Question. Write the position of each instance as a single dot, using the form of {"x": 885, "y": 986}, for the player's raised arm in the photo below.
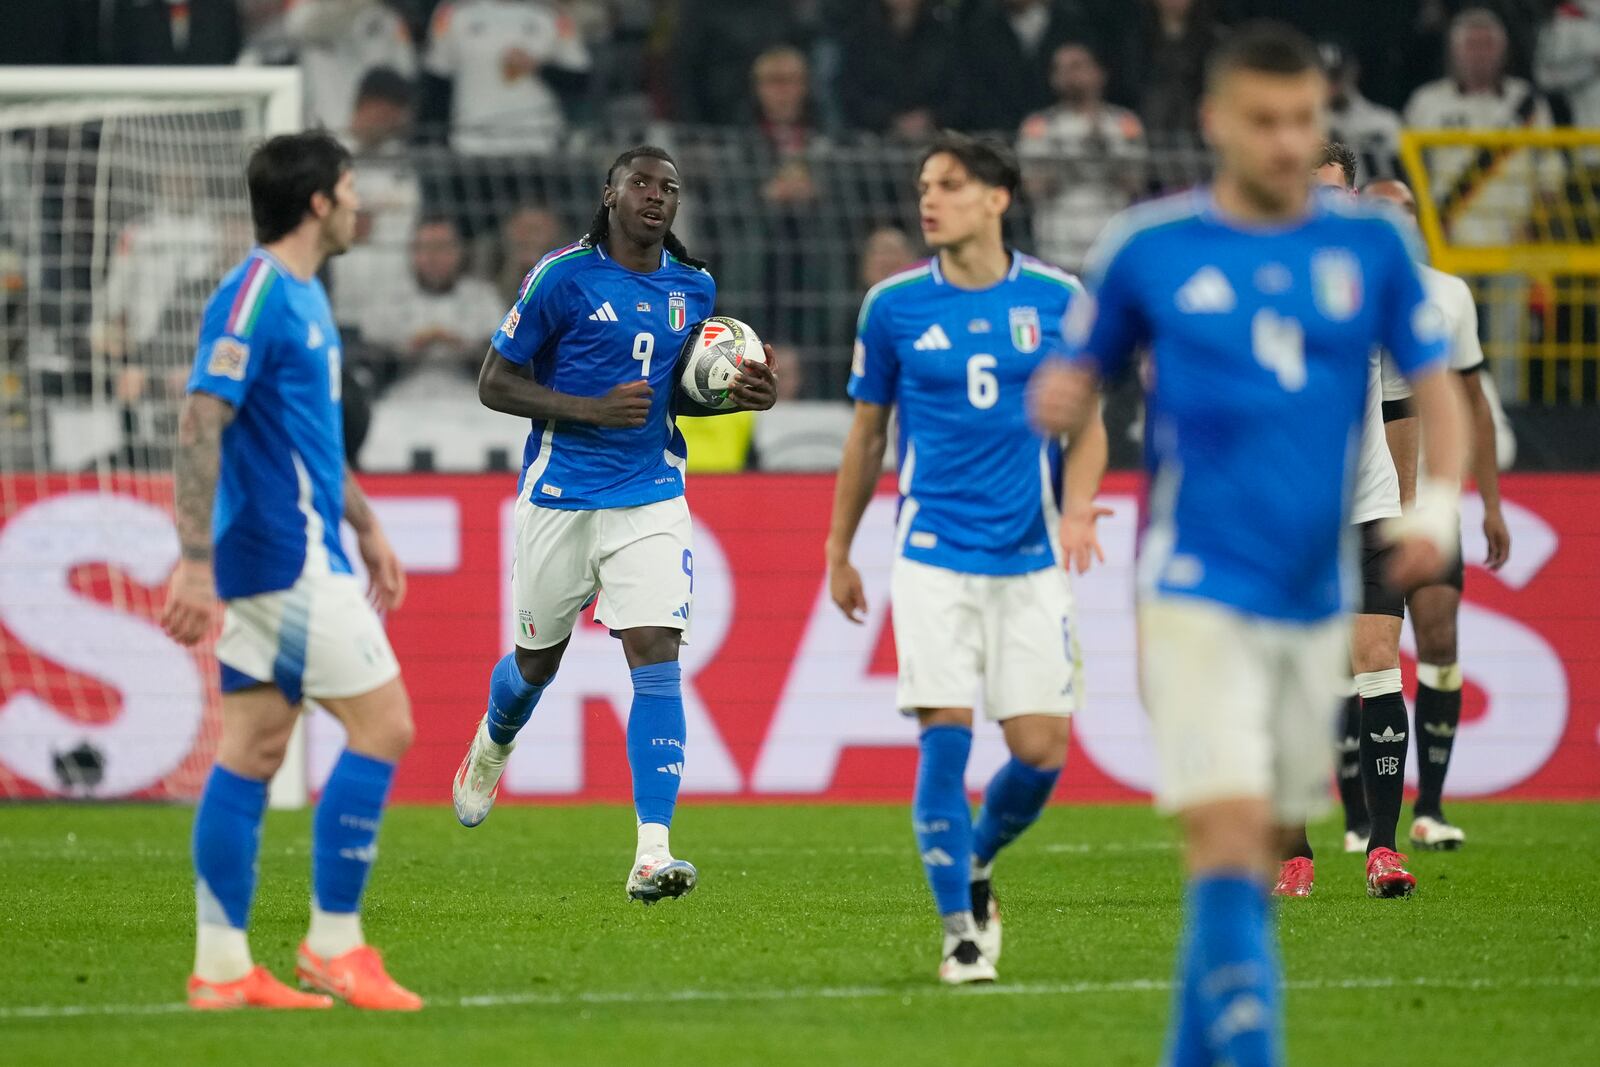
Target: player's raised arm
{"x": 191, "y": 607}
{"x": 859, "y": 468}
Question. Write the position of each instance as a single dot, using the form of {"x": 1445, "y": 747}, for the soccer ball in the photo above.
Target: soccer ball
{"x": 712, "y": 355}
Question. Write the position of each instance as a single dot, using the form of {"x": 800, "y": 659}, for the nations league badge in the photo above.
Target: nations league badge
{"x": 1336, "y": 283}
{"x": 1025, "y": 329}
{"x": 677, "y": 312}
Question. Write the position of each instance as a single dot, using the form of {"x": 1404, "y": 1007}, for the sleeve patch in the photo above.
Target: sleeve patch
{"x": 228, "y": 359}
{"x": 509, "y": 326}
{"x": 858, "y": 360}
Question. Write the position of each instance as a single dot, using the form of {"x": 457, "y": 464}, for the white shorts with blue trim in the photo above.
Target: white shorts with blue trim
{"x": 1006, "y": 638}
{"x": 1242, "y": 707}
{"x": 320, "y": 638}
{"x": 638, "y": 560}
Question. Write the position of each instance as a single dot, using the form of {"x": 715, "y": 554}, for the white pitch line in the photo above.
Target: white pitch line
{"x": 734, "y": 996}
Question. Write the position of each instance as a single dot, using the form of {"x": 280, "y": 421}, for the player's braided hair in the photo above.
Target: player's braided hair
{"x": 600, "y": 228}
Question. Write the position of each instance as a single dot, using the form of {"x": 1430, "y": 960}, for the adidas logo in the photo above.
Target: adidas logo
{"x": 1207, "y": 293}
{"x": 1439, "y": 729}
{"x": 937, "y": 857}
{"x": 1388, "y": 736}
{"x": 682, "y": 613}
{"x": 675, "y": 769}
{"x": 933, "y": 338}
{"x": 603, "y": 313}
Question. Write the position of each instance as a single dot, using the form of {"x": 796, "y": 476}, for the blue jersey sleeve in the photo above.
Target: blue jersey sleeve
{"x": 875, "y": 367}
{"x": 536, "y": 320}
{"x": 1104, "y": 324}
{"x": 1411, "y": 328}
{"x": 235, "y": 336}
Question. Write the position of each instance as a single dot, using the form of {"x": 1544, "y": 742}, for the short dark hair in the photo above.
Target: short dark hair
{"x": 988, "y": 159}
{"x": 1263, "y": 46}
{"x": 386, "y": 84}
{"x": 1340, "y": 153}
{"x": 285, "y": 172}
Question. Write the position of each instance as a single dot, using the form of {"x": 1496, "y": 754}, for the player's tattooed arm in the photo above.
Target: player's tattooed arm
{"x": 200, "y": 426}
{"x": 504, "y": 386}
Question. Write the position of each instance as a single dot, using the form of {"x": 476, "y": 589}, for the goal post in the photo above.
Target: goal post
{"x": 122, "y": 204}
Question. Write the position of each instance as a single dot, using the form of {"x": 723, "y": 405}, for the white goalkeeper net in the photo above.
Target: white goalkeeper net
{"x": 122, "y": 204}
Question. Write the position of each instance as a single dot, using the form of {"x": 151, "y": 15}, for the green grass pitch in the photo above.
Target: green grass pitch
{"x": 811, "y": 940}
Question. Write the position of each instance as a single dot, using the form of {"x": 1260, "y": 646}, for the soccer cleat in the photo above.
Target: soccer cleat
{"x": 1356, "y": 840}
{"x": 986, "y": 914}
{"x": 1295, "y": 878}
{"x": 964, "y": 963}
{"x": 357, "y": 977}
{"x": 656, "y": 878}
{"x": 478, "y": 777}
{"x": 1436, "y": 835}
{"x": 258, "y": 989}
{"x": 1387, "y": 875}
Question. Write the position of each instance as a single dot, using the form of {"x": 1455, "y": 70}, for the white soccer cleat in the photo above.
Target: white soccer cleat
{"x": 1436, "y": 834}
{"x": 986, "y": 915}
{"x": 1356, "y": 841}
{"x": 478, "y": 777}
{"x": 658, "y": 877}
{"x": 965, "y": 963}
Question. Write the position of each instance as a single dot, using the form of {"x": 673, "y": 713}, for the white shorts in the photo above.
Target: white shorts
{"x": 1241, "y": 707}
{"x": 1008, "y": 637}
{"x": 639, "y": 559}
{"x": 318, "y": 638}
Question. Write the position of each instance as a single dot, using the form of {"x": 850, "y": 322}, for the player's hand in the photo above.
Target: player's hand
{"x": 388, "y": 579}
{"x": 844, "y": 585}
{"x": 1416, "y": 562}
{"x": 627, "y": 406}
{"x": 192, "y": 608}
{"x": 1499, "y": 538}
{"x": 755, "y": 387}
{"x": 1080, "y": 536}
{"x": 1057, "y": 397}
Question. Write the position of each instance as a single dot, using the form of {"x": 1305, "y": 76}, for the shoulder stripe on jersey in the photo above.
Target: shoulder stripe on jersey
{"x": 253, "y": 290}
{"x": 893, "y": 281}
{"x": 542, "y": 268}
{"x": 1038, "y": 268}
{"x": 1131, "y": 222}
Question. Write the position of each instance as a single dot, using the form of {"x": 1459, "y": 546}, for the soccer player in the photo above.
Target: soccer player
{"x": 1434, "y": 606}
{"x": 981, "y": 597}
{"x": 1373, "y": 728}
{"x": 262, "y": 488}
{"x": 1260, "y": 302}
{"x": 590, "y": 354}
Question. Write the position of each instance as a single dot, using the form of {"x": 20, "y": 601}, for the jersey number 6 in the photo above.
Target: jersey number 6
{"x": 983, "y": 388}
{"x": 644, "y": 346}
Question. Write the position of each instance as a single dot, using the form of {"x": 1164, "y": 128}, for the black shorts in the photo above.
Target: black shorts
{"x": 1456, "y": 576}
{"x": 1378, "y": 597}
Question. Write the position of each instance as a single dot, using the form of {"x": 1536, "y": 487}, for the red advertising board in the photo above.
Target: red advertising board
{"x": 785, "y": 698}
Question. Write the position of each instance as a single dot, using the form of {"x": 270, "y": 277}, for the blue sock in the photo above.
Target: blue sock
{"x": 1015, "y": 797}
{"x": 511, "y": 700}
{"x": 344, "y": 834}
{"x": 1186, "y": 1036}
{"x": 227, "y": 836}
{"x": 655, "y": 741}
{"x": 942, "y": 818}
{"x": 1231, "y": 975}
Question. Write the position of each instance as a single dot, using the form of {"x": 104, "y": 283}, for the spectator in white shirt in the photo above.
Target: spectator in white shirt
{"x": 1082, "y": 159}
{"x": 391, "y": 194}
{"x": 338, "y": 43}
{"x": 1568, "y": 59}
{"x": 1371, "y": 130}
{"x": 506, "y": 60}
{"x": 437, "y": 323}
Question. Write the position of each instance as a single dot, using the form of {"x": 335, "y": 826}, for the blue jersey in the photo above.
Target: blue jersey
{"x": 269, "y": 347}
{"x": 977, "y": 484}
{"x": 583, "y": 325}
{"x": 1259, "y": 341}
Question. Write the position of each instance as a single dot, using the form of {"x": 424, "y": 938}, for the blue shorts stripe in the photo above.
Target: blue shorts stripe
{"x": 233, "y": 679}
{"x": 289, "y": 669}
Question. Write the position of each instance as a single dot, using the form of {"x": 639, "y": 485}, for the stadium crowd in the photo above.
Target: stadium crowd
{"x": 477, "y": 127}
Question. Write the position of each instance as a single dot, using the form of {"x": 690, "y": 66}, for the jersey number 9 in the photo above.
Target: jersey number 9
{"x": 644, "y": 346}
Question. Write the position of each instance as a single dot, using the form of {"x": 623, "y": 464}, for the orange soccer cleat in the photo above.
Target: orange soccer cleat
{"x": 1295, "y": 878}
{"x": 258, "y": 989}
{"x": 358, "y": 978}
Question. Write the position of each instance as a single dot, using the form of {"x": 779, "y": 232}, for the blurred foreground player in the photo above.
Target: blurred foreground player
{"x": 1434, "y": 606}
{"x": 262, "y": 489}
{"x": 590, "y": 355}
{"x": 981, "y": 595}
{"x": 1260, "y": 302}
{"x": 1372, "y": 745}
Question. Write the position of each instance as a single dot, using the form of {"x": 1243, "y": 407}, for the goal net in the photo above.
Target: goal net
{"x": 122, "y": 203}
